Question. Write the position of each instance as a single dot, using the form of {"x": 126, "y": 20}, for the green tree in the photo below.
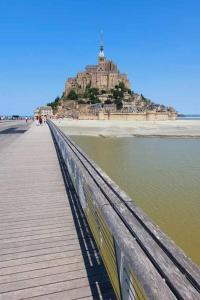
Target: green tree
{"x": 91, "y": 93}
{"x": 118, "y": 103}
{"x": 108, "y": 101}
{"x": 94, "y": 91}
{"x": 147, "y": 101}
{"x": 54, "y": 103}
{"x": 57, "y": 99}
{"x": 95, "y": 100}
{"x": 117, "y": 94}
{"x": 130, "y": 92}
{"x": 72, "y": 95}
{"x": 122, "y": 86}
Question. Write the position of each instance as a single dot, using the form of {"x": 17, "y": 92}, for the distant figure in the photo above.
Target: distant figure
{"x": 40, "y": 120}
{"x": 26, "y": 119}
{"x": 45, "y": 119}
{"x": 37, "y": 121}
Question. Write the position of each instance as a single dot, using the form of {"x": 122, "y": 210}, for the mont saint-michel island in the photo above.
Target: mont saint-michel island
{"x": 102, "y": 92}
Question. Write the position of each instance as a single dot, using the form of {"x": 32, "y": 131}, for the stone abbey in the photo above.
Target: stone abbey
{"x": 101, "y": 92}
{"x": 104, "y": 76}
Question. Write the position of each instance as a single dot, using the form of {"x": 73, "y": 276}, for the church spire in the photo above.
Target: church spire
{"x": 101, "y": 53}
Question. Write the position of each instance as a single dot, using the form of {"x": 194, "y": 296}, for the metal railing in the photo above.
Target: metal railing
{"x": 141, "y": 261}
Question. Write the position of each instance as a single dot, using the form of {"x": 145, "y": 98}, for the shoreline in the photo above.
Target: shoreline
{"x": 160, "y": 129}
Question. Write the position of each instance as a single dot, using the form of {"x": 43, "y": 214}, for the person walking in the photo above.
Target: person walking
{"x": 40, "y": 120}
{"x": 37, "y": 121}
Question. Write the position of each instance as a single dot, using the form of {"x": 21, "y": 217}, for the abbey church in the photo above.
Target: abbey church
{"x": 104, "y": 76}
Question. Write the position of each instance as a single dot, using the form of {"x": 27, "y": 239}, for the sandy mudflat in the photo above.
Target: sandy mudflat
{"x": 178, "y": 128}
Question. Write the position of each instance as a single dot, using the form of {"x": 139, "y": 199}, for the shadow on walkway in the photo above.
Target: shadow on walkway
{"x": 12, "y": 130}
{"x": 97, "y": 276}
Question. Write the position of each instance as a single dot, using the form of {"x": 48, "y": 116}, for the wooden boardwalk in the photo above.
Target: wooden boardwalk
{"x": 46, "y": 251}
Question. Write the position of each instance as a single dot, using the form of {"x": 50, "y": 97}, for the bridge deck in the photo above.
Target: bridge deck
{"x": 46, "y": 251}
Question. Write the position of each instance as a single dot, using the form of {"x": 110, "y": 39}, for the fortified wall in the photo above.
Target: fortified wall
{"x": 144, "y": 116}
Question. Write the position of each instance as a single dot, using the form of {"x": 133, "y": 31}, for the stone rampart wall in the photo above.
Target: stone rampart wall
{"x": 147, "y": 116}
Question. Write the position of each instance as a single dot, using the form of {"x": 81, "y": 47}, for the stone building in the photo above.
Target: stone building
{"x": 44, "y": 111}
{"x": 104, "y": 76}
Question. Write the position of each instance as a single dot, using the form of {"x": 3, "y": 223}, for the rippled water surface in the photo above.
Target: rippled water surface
{"x": 162, "y": 175}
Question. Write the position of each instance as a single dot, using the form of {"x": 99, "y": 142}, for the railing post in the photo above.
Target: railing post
{"x": 126, "y": 287}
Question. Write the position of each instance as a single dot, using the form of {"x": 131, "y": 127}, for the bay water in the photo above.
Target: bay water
{"x": 162, "y": 175}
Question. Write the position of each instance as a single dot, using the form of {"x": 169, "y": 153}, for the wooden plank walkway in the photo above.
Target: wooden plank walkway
{"x": 46, "y": 251}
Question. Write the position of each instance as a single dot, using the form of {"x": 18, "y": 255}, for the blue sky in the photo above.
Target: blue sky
{"x": 43, "y": 42}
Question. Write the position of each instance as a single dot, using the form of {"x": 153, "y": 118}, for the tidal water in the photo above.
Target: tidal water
{"x": 162, "y": 175}
{"x": 189, "y": 117}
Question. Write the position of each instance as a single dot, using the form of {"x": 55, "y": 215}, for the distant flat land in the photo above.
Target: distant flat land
{"x": 178, "y": 128}
{"x": 10, "y": 131}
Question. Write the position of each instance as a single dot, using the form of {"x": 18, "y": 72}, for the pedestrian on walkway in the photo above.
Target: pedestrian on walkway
{"x": 37, "y": 121}
{"x": 40, "y": 120}
{"x": 44, "y": 119}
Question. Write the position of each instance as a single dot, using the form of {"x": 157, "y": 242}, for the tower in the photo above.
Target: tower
{"x": 101, "y": 55}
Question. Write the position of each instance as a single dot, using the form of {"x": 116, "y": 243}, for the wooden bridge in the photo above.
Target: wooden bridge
{"x": 68, "y": 232}
{"x": 46, "y": 249}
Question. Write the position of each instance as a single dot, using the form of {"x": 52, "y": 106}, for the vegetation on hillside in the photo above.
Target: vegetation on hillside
{"x": 91, "y": 96}
{"x": 54, "y": 103}
{"x": 72, "y": 95}
{"x": 147, "y": 101}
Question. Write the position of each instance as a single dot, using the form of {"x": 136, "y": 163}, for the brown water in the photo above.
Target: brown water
{"x": 161, "y": 175}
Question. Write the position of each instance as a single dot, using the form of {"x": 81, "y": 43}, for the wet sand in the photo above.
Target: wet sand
{"x": 178, "y": 128}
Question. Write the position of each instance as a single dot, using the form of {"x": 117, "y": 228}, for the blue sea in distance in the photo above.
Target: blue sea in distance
{"x": 189, "y": 117}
